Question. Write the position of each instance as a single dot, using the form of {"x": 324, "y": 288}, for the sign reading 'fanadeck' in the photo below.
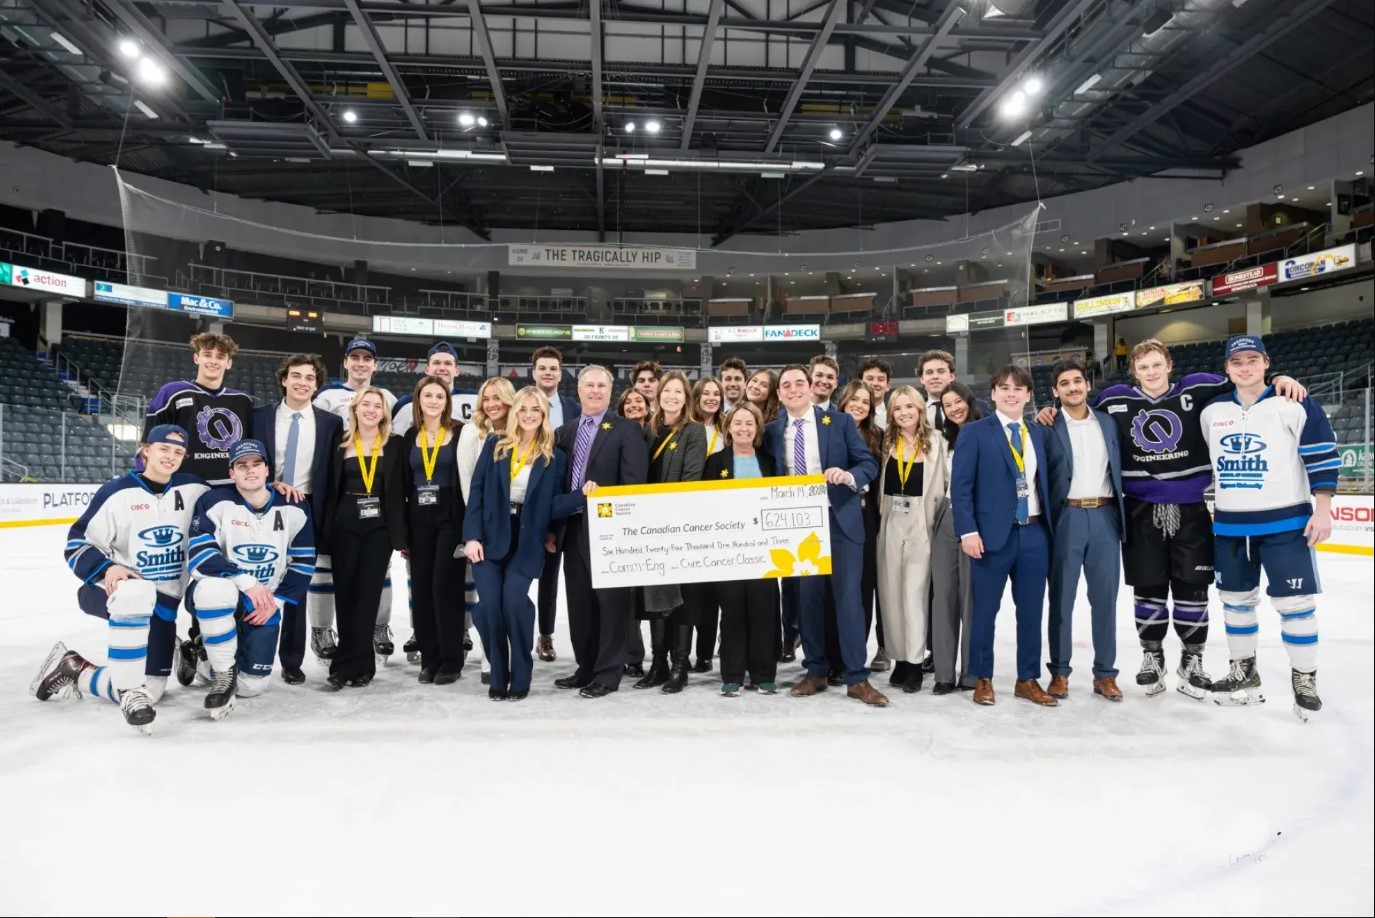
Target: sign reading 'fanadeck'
{"x": 653, "y": 258}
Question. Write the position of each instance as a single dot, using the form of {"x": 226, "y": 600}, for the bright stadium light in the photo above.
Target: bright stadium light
{"x": 466, "y": 119}
{"x": 129, "y": 48}
{"x": 836, "y": 133}
{"x": 652, "y": 126}
{"x": 1014, "y": 105}
{"x": 350, "y": 116}
{"x": 151, "y": 72}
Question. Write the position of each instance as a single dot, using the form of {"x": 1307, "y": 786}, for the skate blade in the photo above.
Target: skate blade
{"x": 413, "y": 657}
{"x": 1303, "y": 713}
{"x": 1238, "y": 699}
{"x": 1191, "y": 691}
{"x": 58, "y": 651}
{"x": 1155, "y": 689}
{"x": 381, "y": 660}
{"x": 144, "y": 729}
{"x": 223, "y": 710}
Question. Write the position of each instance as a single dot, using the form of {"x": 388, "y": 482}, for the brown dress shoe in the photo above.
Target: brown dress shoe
{"x": 808, "y": 687}
{"x": 1107, "y": 688}
{"x": 544, "y": 649}
{"x": 1031, "y": 690}
{"x": 983, "y": 692}
{"x": 867, "y": 694}
{"x": 1059, "y": 687}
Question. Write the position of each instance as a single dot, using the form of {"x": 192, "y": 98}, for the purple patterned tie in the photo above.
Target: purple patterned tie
{"x": 587, "y": 431}
{"x": 799, "y": 447}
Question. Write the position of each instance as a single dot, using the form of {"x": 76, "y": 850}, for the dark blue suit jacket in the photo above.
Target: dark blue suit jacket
{"x": 983, "y": 480}
{"x": 1060, "y": 459}
{"x": 329, "y": 433}
{"x": 489, "y": 508}
{"x": 841, "y": 446}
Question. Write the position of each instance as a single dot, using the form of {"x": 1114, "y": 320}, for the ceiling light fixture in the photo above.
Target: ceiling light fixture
{"x": 1014, "y": 105}
{"x": 482, "y": 121}
{"x": 151, "y": 72}
{"x": 1033, "y": 85}
{"x": 541, "y": 168}
{"x": 147, "y": 112}
{"x": 129, "y": 48}
{"x": 466, "y": 119}
{"x": 836, "y": 133}
{"x": 653, "y": 125}
{"x": 1022, "y": 138}
{"x": 1089, "y": 84}
{"x": 630, "y": 127}
{"x": 65, "y": 42}
{"x": 350, "y": 116}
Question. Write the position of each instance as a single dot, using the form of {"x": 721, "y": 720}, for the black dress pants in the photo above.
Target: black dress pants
{"x": 437, "y": 602}
{"x": 704, "y": 608}
{"x": 598, "y": 620}
{"x": 751, "y": 632}
{"x": 361, "y": 552}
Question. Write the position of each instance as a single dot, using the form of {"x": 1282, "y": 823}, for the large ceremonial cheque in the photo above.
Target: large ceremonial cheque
{"x": 704, "y": 531}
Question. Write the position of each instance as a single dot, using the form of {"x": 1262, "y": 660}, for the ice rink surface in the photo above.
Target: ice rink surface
{"x": 409, "y": 799}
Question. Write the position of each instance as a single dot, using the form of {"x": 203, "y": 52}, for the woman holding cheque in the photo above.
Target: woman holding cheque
{"x": 751, "y": 630}
{"x": 517, "y": 489}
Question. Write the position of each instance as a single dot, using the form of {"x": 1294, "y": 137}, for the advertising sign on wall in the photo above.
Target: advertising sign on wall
{"x": 1107, "y": 304}
{"x": 201, "y": 305}
{"x": 46, "y": 281}
{"x": 638, "y": 258}
{"x": 129, "y": 295}
{"x": 1170, "y": 295}
{"x": 1036, "y": 315}
{"x": 735, "y": 334}
{"x": 1307, "y": 267}
{"x": 1248, "y": 279}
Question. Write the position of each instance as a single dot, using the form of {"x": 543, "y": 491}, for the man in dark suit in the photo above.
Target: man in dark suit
{"x": 603, "y": 449}
{"x": 300, "y": 440}
{"x": 809, "y": 440}
{"x": 546, "y": 372}
{"x": 1086, "y": 516}
{"x": 998, "y": 488}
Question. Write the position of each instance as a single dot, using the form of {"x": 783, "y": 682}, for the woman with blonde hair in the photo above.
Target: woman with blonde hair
{"x": 912, "y": 492}
{"x": 491, "y": 411}
{"x": 517, "y": 488}
{"x": 365, "y": 521}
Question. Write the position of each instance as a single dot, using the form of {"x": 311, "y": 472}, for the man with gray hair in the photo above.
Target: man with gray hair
{"x": 603, "y": 449}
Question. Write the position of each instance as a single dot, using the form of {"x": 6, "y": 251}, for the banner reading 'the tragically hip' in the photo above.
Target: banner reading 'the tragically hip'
{"x": 703, "y": 531}
{"x": 634, "y": 258}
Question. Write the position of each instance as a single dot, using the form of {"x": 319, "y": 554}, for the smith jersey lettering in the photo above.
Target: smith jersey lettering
{"x": 216, "y": 419}
{"x": 128, "y": 524}
{"x": 274, "y": 546}
{"x": 1164, "y": 452}
{"x": 337, "y": 398}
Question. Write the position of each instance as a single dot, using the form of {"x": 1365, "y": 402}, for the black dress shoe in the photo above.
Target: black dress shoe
{"x": 334, "y": 680}
{"x": 361, "y": 681}
{"x": 595, "y": 690}
{"x": 965, "y": 688}
{"x": 928, "y": 664}
{"x": 486, "y": 678}
{"x": 427, "y": 677}
{"x": 292, "y": 675}
{"x": 634, "y": 670}
{"x": 496, "y": 696}
{"x": 899, "y": 673}
{"x": 446, "y": 678}
{"x": 703, "y": 665}
{"x": 789, "y": 655}
{"x": 942, "y": 688}
{"x": 518, "y": 696}
{"x": 912, "y": 684}
{"x": 571, "y": 682}
{"x": 835, "y": 679}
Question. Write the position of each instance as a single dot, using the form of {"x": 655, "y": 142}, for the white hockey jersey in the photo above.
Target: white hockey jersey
{"x": 1267, "y": 461}
{"x": 130, "y": 522}
{"x": 336, "y": 398}
{"x": 274, "y": 546}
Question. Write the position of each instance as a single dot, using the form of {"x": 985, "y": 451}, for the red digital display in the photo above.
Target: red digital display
{"x": 882, "y": 331}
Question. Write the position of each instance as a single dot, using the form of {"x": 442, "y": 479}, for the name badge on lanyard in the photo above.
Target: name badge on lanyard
{"x": 901, "y": 504}
{"x": 426, "y": 495}
{"x": 369, "y": 508}
{"x": 1023, "y": 488}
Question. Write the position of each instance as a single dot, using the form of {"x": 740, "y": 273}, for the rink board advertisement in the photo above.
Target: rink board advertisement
{"x": 43, "y": 504}
{"x": 704, "y": 531}
{"x": 1353, "y": 525}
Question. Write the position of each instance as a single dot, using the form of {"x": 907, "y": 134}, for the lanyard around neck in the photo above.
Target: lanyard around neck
{"x": 367, "y": 470}
{"x": 517, "y": 463}
{"x": 430, "y": 459}
{"x": 904, "y": 471}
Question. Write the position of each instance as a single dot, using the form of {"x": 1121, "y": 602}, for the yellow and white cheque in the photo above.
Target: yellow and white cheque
{"x": 703, "y": 531}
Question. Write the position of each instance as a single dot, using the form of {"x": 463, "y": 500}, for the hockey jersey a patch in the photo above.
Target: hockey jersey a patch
{"x": 274, "y": 546}
{"x": 131, "y": 524}
{"x": 216, "y": 419}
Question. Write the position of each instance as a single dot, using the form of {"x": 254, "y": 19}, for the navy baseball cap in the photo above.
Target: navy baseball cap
{"x": 247, "y": 449}
{"x": 442, "y": 347}
{"x": 167, "y": 433}
{"x": 1243, "y": 343}
{"x": 360, "y": 344}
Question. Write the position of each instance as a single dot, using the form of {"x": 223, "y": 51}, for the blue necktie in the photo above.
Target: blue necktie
{"x": 293, "y": 439}
{"x": 1023, "y": 505}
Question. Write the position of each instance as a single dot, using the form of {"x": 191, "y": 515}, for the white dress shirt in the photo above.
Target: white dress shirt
{"x": 881, "y": 416}
{"x": 1091, "y": 476}
{"x": 1028, "y": 458}
{"x": 720, "y": 439}
{"x": 933, "y": 412}
{"x": 305, "y": 446}
{"x": 521, "y": 483}
{"x": 809, "y": 437}
{"x": 556, "y": 417}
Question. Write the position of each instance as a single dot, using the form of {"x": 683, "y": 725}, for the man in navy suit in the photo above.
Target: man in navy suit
{"x": 546, "y": 372}
{"x": 299, "y": 439}
{"x": 1086, "y": 516}
{"x": 810, "y": 440}
{"x": 603, "y": 448}
{"x": 998, "y": 488}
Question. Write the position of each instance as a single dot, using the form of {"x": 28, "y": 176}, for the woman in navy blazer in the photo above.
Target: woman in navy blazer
{"x": 518, "y": 488}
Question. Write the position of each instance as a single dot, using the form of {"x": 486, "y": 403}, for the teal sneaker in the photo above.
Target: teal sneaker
{"x": 730, "y": 689}
{"x": 768, "y": 688}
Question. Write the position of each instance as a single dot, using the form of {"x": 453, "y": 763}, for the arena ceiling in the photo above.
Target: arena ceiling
{"x": 701, "y": 116}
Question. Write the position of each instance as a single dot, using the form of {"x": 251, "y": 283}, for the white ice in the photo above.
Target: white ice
{"x": 409, "y": 799}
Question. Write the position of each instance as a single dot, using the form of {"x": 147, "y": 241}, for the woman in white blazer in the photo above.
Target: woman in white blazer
{"x": 912, "y": 489}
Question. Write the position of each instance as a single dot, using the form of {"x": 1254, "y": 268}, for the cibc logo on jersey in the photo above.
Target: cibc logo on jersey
{"x": 164, "y": 554}
{"x": 257, "y": 559}
{"x": 1243, "y": 464}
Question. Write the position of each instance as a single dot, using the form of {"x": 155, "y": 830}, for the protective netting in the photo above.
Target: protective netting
{"x": 169, "y": 247}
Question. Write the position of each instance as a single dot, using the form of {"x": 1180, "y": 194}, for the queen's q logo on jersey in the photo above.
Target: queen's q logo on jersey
{"x": 219, "y": 428}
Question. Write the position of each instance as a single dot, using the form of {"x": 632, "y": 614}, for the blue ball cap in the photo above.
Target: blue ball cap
{"x": 168, "y": 433}
{"x": 1241, "y": 343}
{"x": 442, "y": 347}
{"x": 360, "y": 344}
{"x": 247, "y": 449}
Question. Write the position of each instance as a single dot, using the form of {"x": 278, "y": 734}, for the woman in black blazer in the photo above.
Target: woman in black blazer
{"x": 434, "y": 526}
{"x": 751, "y": 629}
{"x": 365, "y": 522}
{"x": 677, "y": 451}
{"x": 518, "y": 488}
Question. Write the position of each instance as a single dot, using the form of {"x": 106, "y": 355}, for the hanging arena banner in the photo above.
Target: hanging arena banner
{"x": 601, "y": 256}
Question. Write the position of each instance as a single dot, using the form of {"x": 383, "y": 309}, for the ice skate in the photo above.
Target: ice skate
{"x": 382, "y": 644}
{"x": 323, "y": 644}
{"x": 60, "y": 675}
{"x": 1151, "y": 676}
{"x": 192, "y": 663}
{"x": 1193, "y": 681}
{"x": 219, "y": 701}
{"x": 1306, "y": 700}
{"x": 137, "y": 708}
{"x": 411, "y": 649}
{"x": 1240, "y": 686}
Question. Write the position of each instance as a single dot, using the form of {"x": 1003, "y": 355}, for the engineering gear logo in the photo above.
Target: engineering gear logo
{"x": 1157, "y": 430}
{"x": 219, "y": 428}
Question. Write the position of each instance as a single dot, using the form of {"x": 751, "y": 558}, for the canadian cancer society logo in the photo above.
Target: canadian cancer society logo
{"x": 1242, "y": 465}
{"x": 604, "y": 511}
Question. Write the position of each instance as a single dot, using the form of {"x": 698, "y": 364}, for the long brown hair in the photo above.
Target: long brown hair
{"x": 890, "y": 436}
{"x": 695, "y": 399}
{"x": 655, "y": 419}
{"x": 770, "y": 407}
{"x": 871, "y": 432}
{"x": 446, "y": 419}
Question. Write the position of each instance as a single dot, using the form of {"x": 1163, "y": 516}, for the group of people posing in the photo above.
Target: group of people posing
{"x": 290, "y": 513}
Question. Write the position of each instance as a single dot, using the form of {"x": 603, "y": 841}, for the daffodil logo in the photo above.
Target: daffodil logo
{"x": 606, "y": 425}
{"x": 603, "y": 511}
{"x": 809, "y": 562}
